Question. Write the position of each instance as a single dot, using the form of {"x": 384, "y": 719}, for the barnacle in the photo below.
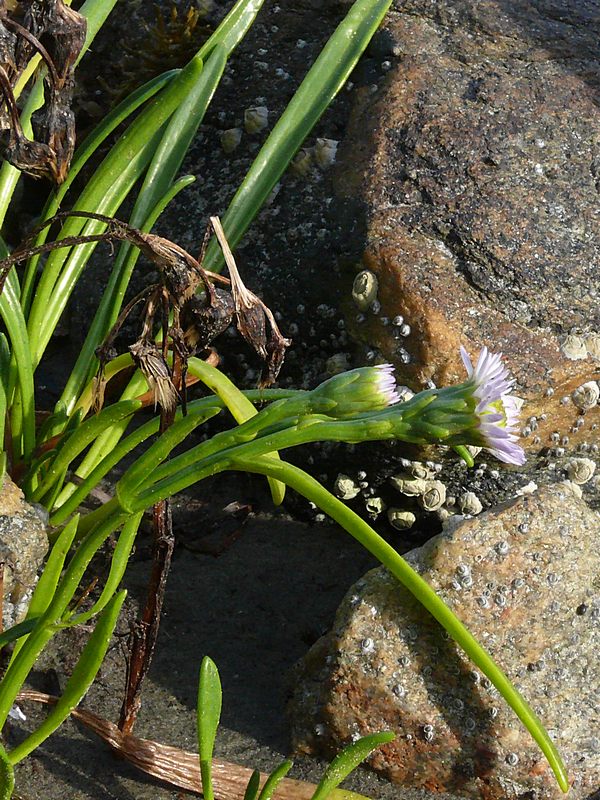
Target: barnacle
{"x": 230, "y": 139}
{"x": 401, "y": 520}
{"x": 364, "y": 289}
{"x": 256, "y": 118}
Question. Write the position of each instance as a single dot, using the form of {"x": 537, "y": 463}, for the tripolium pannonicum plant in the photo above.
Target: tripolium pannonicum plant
{"x": 60, "y": 462}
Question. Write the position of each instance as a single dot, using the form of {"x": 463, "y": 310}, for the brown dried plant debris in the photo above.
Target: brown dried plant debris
{"x": 57, "y": 33}
{"x": 193, "y": 311}
{"x": 168, "y": 42}
{"x": 175, "y": 767}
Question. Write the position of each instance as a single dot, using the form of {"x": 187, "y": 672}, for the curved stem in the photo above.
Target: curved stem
{"x": 310, "y": 488}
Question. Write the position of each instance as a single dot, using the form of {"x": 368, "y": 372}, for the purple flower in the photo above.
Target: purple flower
{"x": 497, "y": 409}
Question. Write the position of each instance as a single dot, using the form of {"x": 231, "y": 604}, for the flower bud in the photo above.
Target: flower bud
{"x": 355, "y": 392}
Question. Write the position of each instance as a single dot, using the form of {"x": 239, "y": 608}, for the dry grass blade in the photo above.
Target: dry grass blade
{"x": 176, "y": 767}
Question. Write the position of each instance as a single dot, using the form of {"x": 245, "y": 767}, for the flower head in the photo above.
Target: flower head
{"x": 358, "y": 391}
{"x": 497, "y": 409}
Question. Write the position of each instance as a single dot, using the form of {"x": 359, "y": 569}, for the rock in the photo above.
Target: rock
{"x": 479, "y": 181}
{"x": 23, "y": 545}
{"x": 524, "y": 579}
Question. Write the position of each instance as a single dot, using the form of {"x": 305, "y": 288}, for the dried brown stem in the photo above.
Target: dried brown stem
{"x": 177, "y": 767}
{"x": 145, "y": 633}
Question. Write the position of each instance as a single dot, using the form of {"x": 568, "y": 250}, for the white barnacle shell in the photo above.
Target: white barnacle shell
{"x": 574, "y": 347}
{"x": 230, "y": 139}
{"x": 406, "y": 484}
{"x": 404, "y": 393}
{"x": 573, "y": 488}
{"x": 375, "y": 506}
{"x": 256, "y": 118}
{"x": 470, "y": 504}
{"x": 473, "y": 450}
{"x": 302, "y": 163}
{"x": 586, "y": 396}
{"x": 443, "y": 513}
{"x": 581, "y": 470}
{"x": 592, "y": 343}
{"x": 401, "y": 520}
{"x": 325, "y": 152}
{"x": 339, "y": 362}
{"x": 364, "y": 289}
{"x": 434, "y": 496}
{"x": 420, "y": 470}
{"x": 529, "y": 488}
{"x": 345, "y": 487}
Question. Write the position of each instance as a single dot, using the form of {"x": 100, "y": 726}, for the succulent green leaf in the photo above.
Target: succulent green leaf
{"x": 7, "y": 776}
{"x": 253, "y": 786}
{"x": 274, "y": 779}
{"x": 208, "y": 715}
{"x": 80, "y": 681}
{"x": 321, "y": 84}
{"x": 346, "y": 761}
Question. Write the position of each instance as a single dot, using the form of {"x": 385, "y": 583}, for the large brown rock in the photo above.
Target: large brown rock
{"x": 524, "y": 580}
{"x": 478, "y": 163}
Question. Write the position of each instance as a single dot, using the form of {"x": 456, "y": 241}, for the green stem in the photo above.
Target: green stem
{"x": 48, "y": 623}
{"x": 310, "y": 488}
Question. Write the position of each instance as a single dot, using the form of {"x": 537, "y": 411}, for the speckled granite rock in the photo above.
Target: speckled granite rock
{"x": 477, "y": 164}
{"x": 524, "y": 578}
{"x": 23, "y": 545}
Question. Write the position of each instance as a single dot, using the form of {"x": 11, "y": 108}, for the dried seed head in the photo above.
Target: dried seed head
{"x": 182, "y": 273}
{"x": 277, "y": 346}
{"x": 205, "y": 318}
{"x": 149, "y": 360}
{"x": 252, "y": 316}
{"x": 586, "y": 396}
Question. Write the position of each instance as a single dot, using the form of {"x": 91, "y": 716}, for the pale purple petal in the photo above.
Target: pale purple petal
{"x": 387, "y": 383}
{"x": 466, "y": 361}
{"x": 498, "y": 411}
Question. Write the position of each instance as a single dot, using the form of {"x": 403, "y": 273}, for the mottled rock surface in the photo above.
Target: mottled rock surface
{"x": 23, "y": 545}
{"x": 476, "y": 162}
{"x": 524, "y": 579}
